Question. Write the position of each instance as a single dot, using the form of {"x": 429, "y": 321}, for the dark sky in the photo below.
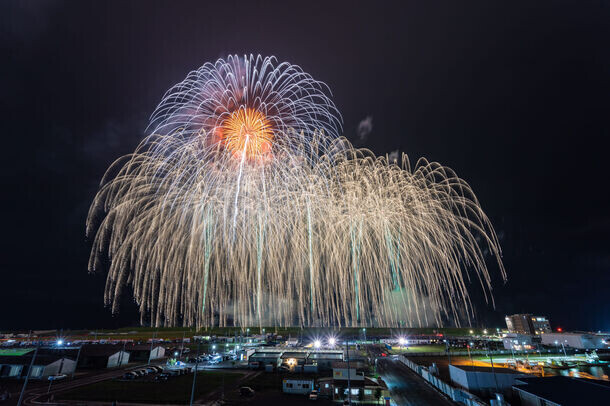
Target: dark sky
{"x": 513, "y": 96}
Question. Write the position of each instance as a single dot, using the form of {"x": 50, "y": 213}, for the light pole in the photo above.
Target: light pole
{"x": 195, "y": 374}
{"x": 152, "y": 340}
{"x": 349, "y": 381}
{"x": 182, "y": 347}
{"x": 27, "y": 377}
{"x": 76, "y": 364}
{"x": 492, "y": 366}
{"x": 470, "y": 355}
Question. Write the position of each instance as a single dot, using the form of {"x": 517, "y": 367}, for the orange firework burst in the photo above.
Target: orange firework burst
{"x": 247, "y": 131}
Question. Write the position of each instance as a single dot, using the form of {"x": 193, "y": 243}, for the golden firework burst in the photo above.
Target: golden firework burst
{"x": 247, "y": 131}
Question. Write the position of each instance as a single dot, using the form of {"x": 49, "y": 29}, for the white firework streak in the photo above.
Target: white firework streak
{"x": 303, "y": 229}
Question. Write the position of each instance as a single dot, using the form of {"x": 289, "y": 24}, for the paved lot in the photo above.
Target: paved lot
{"x": 406, "y": 387}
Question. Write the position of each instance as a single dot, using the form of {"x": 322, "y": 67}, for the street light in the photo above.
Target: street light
{"x": 60, "y": 342}
{"x": 401, "y": 341}
{"x": 332, "y": 341}
{"x": 317, "y": 344}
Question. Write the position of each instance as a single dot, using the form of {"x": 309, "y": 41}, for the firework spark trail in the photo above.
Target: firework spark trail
{"x": 241, "y": 168}
{"x": 245, "y": 207}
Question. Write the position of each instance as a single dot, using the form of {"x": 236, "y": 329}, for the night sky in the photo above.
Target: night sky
{"x": 514, "y": 97}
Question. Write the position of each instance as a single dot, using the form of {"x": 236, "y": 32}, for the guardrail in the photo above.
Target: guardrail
{"x": 455, "y": 394}
{"x": 461, "y": 352}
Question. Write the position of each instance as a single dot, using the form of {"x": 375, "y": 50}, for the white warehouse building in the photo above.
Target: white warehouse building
{"x": 583, "y": 341}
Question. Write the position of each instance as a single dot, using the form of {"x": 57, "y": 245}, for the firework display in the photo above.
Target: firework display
{"x": 244, "y": 206}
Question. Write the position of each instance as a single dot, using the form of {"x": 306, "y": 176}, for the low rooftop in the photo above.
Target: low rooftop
{"x": 497, "y": 370}
{"x": 565, "y": 391}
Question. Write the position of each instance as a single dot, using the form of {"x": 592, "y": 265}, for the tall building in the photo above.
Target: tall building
{"x": 541, "y": 324}
{"x": 527, "y": 324}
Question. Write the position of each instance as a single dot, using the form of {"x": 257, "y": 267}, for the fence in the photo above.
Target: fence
{"x": 462, "y": 353}
{"x": 457, "y": 395}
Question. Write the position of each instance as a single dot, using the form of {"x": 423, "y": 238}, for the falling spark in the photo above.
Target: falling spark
{"x": 244, "y": 206}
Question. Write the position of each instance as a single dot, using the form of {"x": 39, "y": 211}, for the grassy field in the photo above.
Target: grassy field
{"x": 175, "y": 390}
{"x": 415, "y": 349}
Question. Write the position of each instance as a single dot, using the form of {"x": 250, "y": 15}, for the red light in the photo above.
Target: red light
{"x": 383, "y": 354}
{"x": 559, "y": 329}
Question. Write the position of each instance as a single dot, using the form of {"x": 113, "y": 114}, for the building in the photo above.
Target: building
{"x": 259, "y": 359}
{"x": 294, "y": 360}
{"x": 362, "y": 388}
{"x": 45, "y": 364}
{"x": 517, "y": 342}
{"x": 541, "y": 325}
{"x": 245, "y": 353}
{"x": 584, "y": 341}
{"x": 292, "y": 342}
{"x": 324, "y": 359}
{"x": 297, "y": 386}
{"x": 99, "y": 356}
{"x": 144, "y": 352}
{"x": 484, "y": 380}
{"x": 527, "y": 324}
{"x": 341, "y": 371}
{"x": 560, "y": 391}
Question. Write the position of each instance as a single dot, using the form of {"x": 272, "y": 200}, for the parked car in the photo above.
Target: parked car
{"x": 151, "y": 370}
{"x": 162, "y": 377}
{"x": 246, "y": 391}
{"x": 130, "y": 375}
{"x": 57, "y": 377}
{"x": 313, "y": 395}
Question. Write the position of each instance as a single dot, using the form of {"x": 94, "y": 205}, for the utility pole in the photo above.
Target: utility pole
{"x": 182, "y": 348}
{"x": 195, "y": 374}
{"x": 151, "y": 347}
{"x": 492, "y": 367}
{"x": 76, "y": 363}
{"x": 27, "y": 377}
{"x": 349, "y": 381}
{"x": 470, "y": 356}
{"x": 121, "y": 356}
{"x": 448, "y": 351}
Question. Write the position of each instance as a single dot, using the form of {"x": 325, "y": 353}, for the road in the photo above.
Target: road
{"x": 406, "y": 387}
